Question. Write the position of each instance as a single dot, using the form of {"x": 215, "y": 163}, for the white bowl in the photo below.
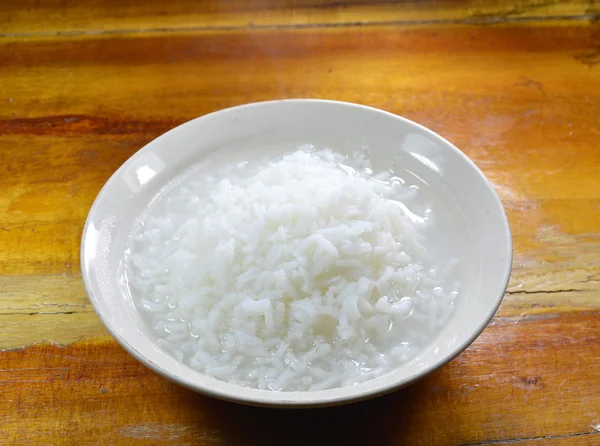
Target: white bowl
{"x": 486, "y": 256}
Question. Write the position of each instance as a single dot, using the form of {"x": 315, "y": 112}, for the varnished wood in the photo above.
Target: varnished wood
{"x": 83, "y": 85}
{"x": 34, "y": 17}
{"x": 533, "y": 378}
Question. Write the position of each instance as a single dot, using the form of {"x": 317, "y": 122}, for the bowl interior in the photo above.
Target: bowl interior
{"x": 478, "y": 235}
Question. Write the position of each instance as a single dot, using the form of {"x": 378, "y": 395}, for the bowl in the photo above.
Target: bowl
{"x": 485, "y": 255}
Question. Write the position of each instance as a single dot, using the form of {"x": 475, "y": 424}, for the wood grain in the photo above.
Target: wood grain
{"x": 536, "y": 378}
{"x": 35, "y": 17}
{"x": 83, "y": 85}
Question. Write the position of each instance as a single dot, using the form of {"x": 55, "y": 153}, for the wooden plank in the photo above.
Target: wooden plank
{"x": 48, "y": 187}
{"x": 27, "y": 17}
{"x": 37, "y": 308}
{"x": 583, "y": 439}
{"x": 84, "y": 85}
{"x": 59, "y": 328}
{"x": 418, "y": 72}
{"x": 517, "y": 381}
{"x": 61, "y": 299}
{"x": 531, "y": 114}
{"x": 543, "y": 100}
{"x": 47, "y": 190}
{"x": 28, "y": 295}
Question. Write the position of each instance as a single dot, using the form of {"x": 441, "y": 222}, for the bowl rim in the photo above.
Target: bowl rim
{"x": 286, "y": 399}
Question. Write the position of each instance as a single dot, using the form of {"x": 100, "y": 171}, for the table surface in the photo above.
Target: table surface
{"x": 515, "y": 84}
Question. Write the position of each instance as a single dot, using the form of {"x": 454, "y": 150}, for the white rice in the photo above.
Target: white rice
{"x": 299, "y": 273}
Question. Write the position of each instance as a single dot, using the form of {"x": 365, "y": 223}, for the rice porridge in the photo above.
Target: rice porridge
{"x": 306, "y": 271}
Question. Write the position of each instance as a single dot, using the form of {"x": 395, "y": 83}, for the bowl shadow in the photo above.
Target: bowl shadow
{"x": 390, "y": 419}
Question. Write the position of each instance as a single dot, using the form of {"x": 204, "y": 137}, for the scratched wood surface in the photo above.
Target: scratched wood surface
{"x": 515, "y": 84}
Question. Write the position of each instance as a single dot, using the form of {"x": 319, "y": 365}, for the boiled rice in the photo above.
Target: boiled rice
{"x": 299, "y": 273}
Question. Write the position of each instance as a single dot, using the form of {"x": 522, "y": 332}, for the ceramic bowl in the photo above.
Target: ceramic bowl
{"x": 485, "y": 254}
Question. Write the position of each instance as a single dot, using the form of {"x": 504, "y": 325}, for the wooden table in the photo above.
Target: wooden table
{"x": 515, "y": 84}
